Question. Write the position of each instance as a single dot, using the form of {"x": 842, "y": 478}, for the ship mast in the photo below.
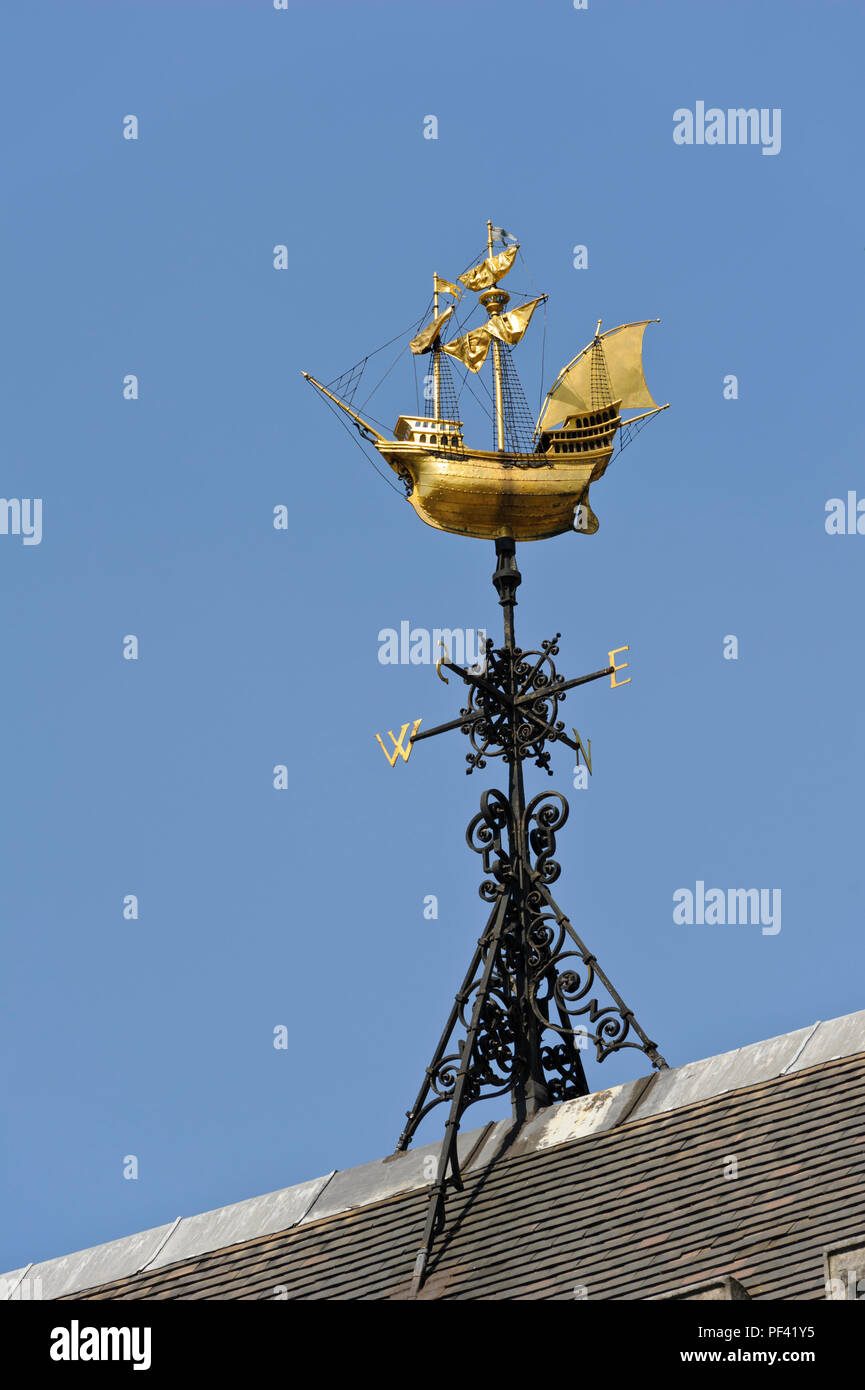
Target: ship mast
{"x": 436, "y": 350}
{"x": 494, "y": 301}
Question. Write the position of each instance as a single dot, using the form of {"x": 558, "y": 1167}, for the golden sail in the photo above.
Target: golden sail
{"x": 426, "y": 338}
{"x": 609, "y": 369}
{"x": 532, "y": 483}
{"x": 490, "y": 271}
{"x": 509, "y": 328}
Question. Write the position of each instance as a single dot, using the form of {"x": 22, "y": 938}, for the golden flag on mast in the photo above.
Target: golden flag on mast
{"x": 472, "y": 348}
{"x": 441, "y": 286}
{"x": 490, "y": 271}
{"x": 510, "y": 327}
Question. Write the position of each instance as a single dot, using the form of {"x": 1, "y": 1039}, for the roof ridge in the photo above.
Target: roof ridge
{"x": 622, "y": 1110}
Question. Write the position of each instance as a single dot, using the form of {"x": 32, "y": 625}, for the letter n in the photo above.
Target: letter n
{"x": 581, "y": 748}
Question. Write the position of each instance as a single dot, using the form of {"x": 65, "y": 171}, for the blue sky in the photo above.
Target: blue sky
{"x": 259, "y": 647}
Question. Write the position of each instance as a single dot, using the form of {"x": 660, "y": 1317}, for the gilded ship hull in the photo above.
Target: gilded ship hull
{"x": 528, "y": 497}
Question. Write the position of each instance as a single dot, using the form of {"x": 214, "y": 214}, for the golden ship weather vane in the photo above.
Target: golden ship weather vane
{"x": 534, "y": 997}
{"x": 530, "y": 486}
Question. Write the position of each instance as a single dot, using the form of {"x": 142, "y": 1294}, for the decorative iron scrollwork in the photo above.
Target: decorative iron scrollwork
{"x": 406, "y": 479}
{"x": 544, "y": 815}
{"x": 563, "y": 972}
{"x": 526, "y": 937}
{"x": 518, "y": 703}
{"x": 484, "y": 836}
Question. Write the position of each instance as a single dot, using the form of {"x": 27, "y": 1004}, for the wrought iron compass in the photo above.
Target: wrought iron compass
{"x": 529, "y": 1003}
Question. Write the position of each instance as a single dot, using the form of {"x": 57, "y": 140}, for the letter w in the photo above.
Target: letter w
{"x": 398, "y": 749}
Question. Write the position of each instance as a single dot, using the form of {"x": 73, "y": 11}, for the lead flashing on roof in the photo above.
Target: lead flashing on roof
{"x": 338, "y": 1192}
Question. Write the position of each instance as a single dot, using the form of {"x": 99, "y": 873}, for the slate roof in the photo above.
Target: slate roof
{"x": 624, "y": 1194}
